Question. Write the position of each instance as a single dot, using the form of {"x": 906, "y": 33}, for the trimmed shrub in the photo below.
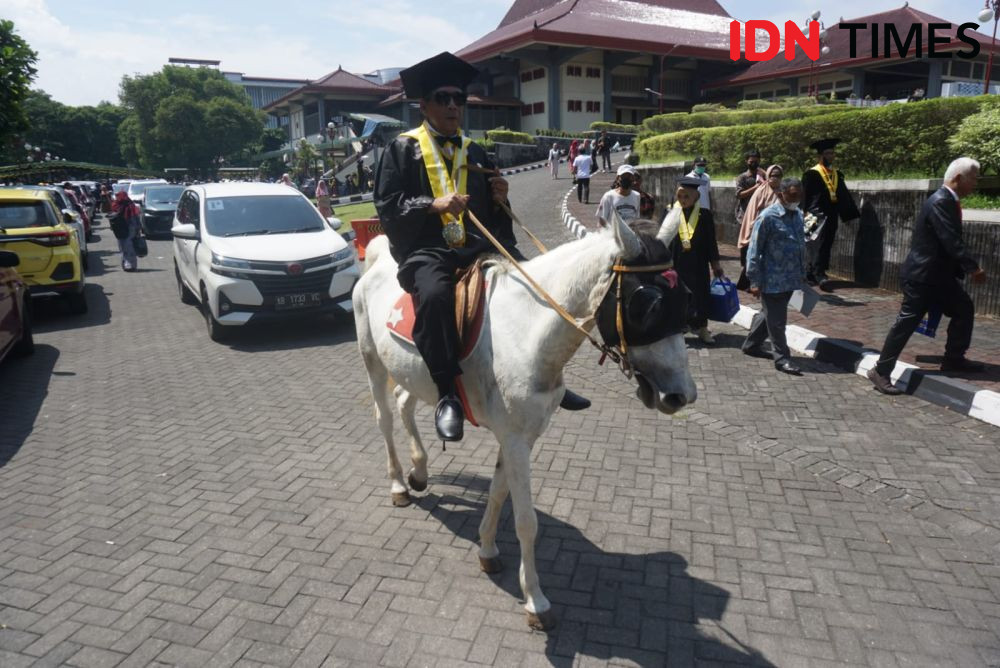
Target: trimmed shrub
{"x": 562, "y": 134}
{"x": 707, "y": 106}
{"x": 509, "y": 137}
{"x": 655, "y": 125}
{"x": 616, "y": 128}
{"x": 897, "y": 138}
{"x": 979, "y": 137}
{"x": 751, "y": 105}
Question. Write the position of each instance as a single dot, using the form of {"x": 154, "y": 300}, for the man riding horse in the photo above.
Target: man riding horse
{"x": 423, "y": 191}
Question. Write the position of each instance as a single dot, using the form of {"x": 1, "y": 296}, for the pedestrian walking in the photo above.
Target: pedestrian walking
{"x": 760, "y": 200}
{"x": 700, "y": 172}
{"x": 323, "y": 198}
{"x": 826, "y": 196}
{"x": 126, "y": 227}
{"x": 604, "y": 151}
{"x": 931, "y": 275}
{"x": 287, "y": 180}
{"x": 695, "y": 251}
{"x": 574, "y": 150}
{"x": 582, "y": 167}
{"x": 554, "y": 160}
{"x": 748, "y": 182}
{"x": 621, "y": 199}
{"x": 776, "y": 268}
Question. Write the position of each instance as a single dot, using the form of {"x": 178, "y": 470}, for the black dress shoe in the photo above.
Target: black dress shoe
{"x": 811, "y": 279}
{"x": 789, "y": 367}
{"x": 826, "y": 285}
{"x": 757, "y": 352}
{"x": 449, "y": 419}
{"x": 572, "y": 401}
{"x": 883, "y": 383}
{"x": 962, "y": 364}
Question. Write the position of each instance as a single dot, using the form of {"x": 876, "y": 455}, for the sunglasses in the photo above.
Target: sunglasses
{"x": 443, "y": 98}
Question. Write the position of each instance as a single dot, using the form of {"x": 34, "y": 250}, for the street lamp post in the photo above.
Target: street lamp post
{"x": 991, "y": 10}
{"x": 824, "y": 49}
{"x": 657, "y": 94}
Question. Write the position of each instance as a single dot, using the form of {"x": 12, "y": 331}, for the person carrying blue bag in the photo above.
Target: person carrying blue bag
{"x": 695, "y": 250}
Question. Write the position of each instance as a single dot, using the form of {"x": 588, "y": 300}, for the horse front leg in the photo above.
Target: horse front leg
{"x": 517, "y": 465}
{"x": 489, "y": 553}
{"x": 407, "y": 405}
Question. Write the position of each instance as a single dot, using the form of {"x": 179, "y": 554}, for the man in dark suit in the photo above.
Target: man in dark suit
{"x": 825, "y": 194}
{"x": 931, "y": 276}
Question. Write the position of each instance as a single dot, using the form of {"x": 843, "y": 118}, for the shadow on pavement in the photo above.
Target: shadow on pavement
{"x": 643, "y": 608}
{"x": 52, "y": 313}
{"x": 303, "y": 332}
{"x": 24, "y": 384}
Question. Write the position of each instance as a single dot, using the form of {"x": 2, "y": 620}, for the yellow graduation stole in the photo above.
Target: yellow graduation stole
{"x": 829, "y": 177}
{"x": 687, "y": 227}
{"x": 442, "y": 182}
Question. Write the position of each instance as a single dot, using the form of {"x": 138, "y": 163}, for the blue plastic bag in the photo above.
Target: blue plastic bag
{"x": 724, "y": 302}
{"x": 928, "y": 326}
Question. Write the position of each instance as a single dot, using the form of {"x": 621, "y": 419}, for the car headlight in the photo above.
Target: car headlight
{"x": 223, "y": 262}
{"x": 342, "y": 255}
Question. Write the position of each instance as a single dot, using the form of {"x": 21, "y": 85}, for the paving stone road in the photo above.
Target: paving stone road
{"x": 171, "y": 501}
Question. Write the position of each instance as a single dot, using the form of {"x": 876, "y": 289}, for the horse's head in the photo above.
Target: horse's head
{"x": 649, "y": 310}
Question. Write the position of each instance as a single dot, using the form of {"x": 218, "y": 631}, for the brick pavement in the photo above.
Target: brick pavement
{"x": 853, "y": 313}
{"x": 171, "y": 501}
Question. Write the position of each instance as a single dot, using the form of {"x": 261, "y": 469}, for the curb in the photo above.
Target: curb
{"x": 951, "y": 393}
{"x": 957, "y": 395}
{"x": 352, "y": 199}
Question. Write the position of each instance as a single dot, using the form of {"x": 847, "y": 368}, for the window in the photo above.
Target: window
{"x": 525, "y": 77}
{"x": 538, "y": 73}
{"x": 574, "y": 105}
{"x": 593, "y": 106}
{"x": 621, "y": 83}
{"x": 960, "y": 69}
{"x": 574, "y": 71}
{"x": 593, "y": 72}
{"x": 526, "y": 110}
{"x": 538, "y": 108}
{"x": 188, "y": 210}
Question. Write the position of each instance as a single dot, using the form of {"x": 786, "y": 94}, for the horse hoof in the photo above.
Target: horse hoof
{"x": 401, "y": 499}
{"x": 490, "y": 566}
{"x": 542, "y": 621}
{"x": 416, "y": 485}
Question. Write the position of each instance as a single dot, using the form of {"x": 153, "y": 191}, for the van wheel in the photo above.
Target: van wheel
{"x": 26, "y": 345}
{"x": 77, "y": 302}
{"x": 216, "y": 331}
{"x": 187, "y": 297}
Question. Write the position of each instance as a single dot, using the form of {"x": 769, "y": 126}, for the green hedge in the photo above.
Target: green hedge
{"x": 897, "y": 138}
{"x": 655, "y": 125}
{"x": 561, "y": 134}
{"x": 509, "y": 137}
{"x": 616, "y": 128}
{"x": 705, "y": 107}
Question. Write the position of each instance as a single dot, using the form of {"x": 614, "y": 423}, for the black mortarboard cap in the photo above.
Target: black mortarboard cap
{"x": 444, "y": 69}
{"x": 700, "y": 160}
{"x": 824, "y": 144}
{"x": 689, "y": 182}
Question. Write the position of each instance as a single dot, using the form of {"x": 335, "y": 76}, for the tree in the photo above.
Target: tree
{"x": 17, "y": 70}
{"x": 978, "y": 137}
{"x": 186, "y": 117}
{"x": 86, "y": 134}
{"x": 305, "y": 159}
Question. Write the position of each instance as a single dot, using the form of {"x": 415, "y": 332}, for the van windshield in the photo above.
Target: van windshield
{"x": 260, "y": 214}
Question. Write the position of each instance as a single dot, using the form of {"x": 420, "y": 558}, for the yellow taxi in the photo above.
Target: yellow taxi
{"x": 46, "y": 245}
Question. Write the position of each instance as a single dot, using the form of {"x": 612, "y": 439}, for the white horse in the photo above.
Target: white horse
{"x": 513, "y": 380}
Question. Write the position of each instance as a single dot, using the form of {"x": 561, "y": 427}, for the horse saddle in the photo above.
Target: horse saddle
{"x": 470, "y": 302}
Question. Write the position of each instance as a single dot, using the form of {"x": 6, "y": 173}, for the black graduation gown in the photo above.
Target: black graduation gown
{"x": 816, "y": 199}
{"x": 693, "y": 265}
{"x": 427, "y": 265}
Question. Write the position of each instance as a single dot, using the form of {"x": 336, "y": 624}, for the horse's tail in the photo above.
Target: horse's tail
{"x": 373, "y": 249}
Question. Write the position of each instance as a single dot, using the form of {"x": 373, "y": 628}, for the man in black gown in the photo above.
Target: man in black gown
{"x": 695, "y": 250}
{"x": 422, "y": 194}
{"x": 825, "y": 194}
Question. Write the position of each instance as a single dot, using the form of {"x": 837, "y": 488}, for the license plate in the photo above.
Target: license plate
{"x": 304, "y": 300}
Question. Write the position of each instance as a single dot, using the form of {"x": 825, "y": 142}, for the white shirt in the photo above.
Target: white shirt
{"x": 704, "y": 190}
{"x": 553, "y": 154}
{"x": 627, "y": 207}
{"x": 583, "y": 165}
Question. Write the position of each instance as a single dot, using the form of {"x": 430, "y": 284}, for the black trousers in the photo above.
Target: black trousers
{"x": 606, "y": 161}
{"x": 826, "y": 238}
{"x": 953, "y": 301}
{"x": 431, "y": 281}
{"x": 583, "y": 190}
{"x": 770, "y": 323}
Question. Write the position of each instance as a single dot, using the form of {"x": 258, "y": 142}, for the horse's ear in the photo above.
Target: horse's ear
{"x": 627, "y": 240}
{"x": 671, "y": 223}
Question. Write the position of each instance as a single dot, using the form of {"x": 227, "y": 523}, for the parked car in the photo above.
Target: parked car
{"x": 137, "y": 189}
{"x": 248, "y": 252}
{"x": 32, "y": 227}
{"x": 15, "y": 309}
{"x": 158, "y": 209}
{"x": 70, "y": 215}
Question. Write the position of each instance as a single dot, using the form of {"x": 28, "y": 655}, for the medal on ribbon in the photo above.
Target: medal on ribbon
{"x": 442, "y": 182}
{"x": 687, "y": 226}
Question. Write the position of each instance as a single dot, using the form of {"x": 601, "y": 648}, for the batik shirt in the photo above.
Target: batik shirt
{"x": 775, "y": 259}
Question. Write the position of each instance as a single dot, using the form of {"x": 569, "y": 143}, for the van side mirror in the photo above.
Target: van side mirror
{"x": 67, "y": 216}
{"x": 185, "y": 231}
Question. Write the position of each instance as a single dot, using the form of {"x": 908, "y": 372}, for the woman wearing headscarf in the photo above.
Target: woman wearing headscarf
{"x": 323, "y": 198}
{"x": 126, "y": 228}
{"x": 762, "y": 198}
